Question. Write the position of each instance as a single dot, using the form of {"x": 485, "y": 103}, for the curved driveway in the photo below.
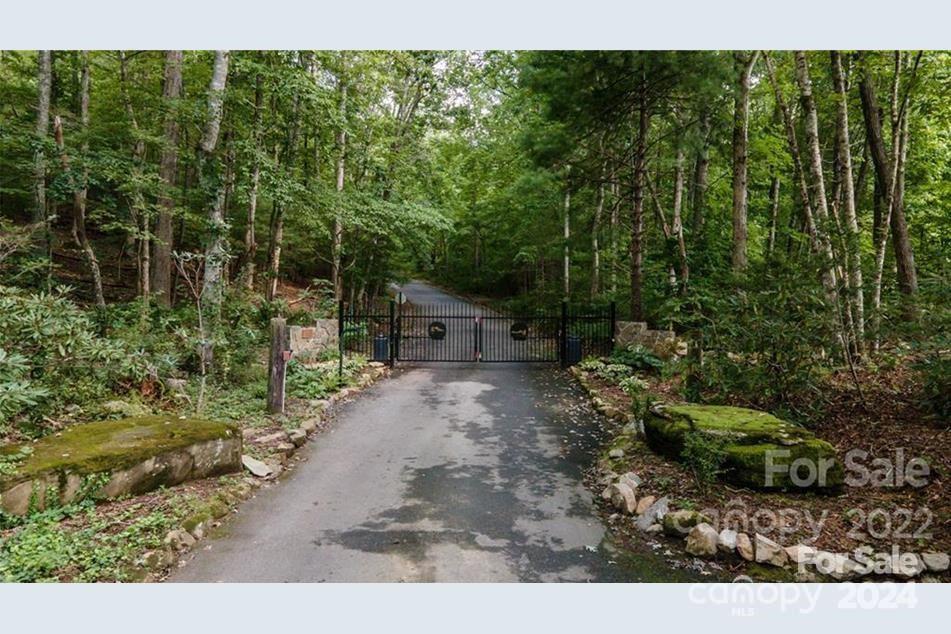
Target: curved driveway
{"x": 444, "y": 472}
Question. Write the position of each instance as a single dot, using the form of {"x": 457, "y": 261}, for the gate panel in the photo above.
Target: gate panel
{"x": 465, "y": 332}
{"x": 520, "y": 337}
{"x": 438, "y": 332}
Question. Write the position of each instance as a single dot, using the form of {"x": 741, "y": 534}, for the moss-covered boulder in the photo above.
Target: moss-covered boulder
{"x": 112, "y": 458}
{"x": 759, "y": 450}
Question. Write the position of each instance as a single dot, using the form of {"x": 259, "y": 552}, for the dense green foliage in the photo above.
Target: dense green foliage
{"x": 528, "y": 177}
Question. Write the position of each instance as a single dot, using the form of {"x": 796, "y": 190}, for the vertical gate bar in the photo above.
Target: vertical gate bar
{"x": 340, "y": 338}
{"x": 563, "y": 352}
{"x": 392, "y": 350}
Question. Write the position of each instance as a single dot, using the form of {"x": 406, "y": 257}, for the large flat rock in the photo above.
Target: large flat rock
{"x": 752, "y": 440}
{"x": 112, "y": 458}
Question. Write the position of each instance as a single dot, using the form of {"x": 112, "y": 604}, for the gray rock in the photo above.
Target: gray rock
{"x": 623, "y": 497}
{"x": 298, "y": 437}
{"x": 936, "y": 562}
{"x": 744, "y": 547}
{"x": 631, "y": 479}
{"x": 310, "y": 425}
{"x": 726, "y": 541}
{"x": 276, "y": 437}
{"x": 255, "y": 466}
{"x": 643, "y": 504}
{"x": 654, "y": 514}
{"x": 200, "y": 530}
{"x": 158, "y": 559}
{"x": 702, "y": 540}
{"x": 801, "y": 554}
{"x": 286, "y": 448}
{"x": 276, "y": 468}
{"x": 179, "y": 540}
{"x": 654, "y": 529}
{"x": 679, "y": 523}
{"x": 616, "y": 453}
{"x": 769, "y": 552}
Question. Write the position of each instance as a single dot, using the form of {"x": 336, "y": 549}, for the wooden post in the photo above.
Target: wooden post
{"x": 277, "y": 367}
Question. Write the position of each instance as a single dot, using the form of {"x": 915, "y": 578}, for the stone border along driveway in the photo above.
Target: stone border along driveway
{"x": 800, "y": 562}
{"x": 281, "y": 446}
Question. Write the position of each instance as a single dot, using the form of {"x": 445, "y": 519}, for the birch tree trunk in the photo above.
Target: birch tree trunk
{"x": 773, "y": 215}
{"x": 677, "y": 225}
{"x": 250, "y": 240}
{"x": 595, "y": 231}
{"x": 887, "y": 169}
{"x": 743, "y": 66}
{"x": 853, "y": 254}
{"x": 819, "y": 190}
{"x": 168, "y": 168}
{"x": 798, "y": 169}
{"x": 213, "y": 187}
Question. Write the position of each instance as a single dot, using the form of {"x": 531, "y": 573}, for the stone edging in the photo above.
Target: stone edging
{"x": 178, "y": 542}
{"x": 701, "y": 539}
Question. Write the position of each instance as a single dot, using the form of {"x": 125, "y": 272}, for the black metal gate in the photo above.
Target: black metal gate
{"x": 392, "y": 331}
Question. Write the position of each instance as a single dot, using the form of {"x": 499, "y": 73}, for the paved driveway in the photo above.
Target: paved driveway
{"x": 444, "y": 472}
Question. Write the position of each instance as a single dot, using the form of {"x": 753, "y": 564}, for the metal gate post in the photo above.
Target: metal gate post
{"x": 392, "y": 333}
{"x": 340, "y": 338}
{"x": 563, "y": 344}
{"x": 613, "y": 323}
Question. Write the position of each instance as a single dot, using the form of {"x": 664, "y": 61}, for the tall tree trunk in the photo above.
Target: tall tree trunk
{"x": 596, "y": 230}
{"x": 852, "y": 243}
{"x": 140, "y": 212}
{"x": 250, "y": 240}
{"x": 168, "y": 168}
{"x": 700, "y": 174}
{"x": 887, "y": 169}
{"x": 44, "y": 82}
{"x": 615, "y": 206}
{"x": 743, "y": 66}
{"x": 336, "y": 248}
{"x": 677, "y": 225}
{"x": 773, "y": 215}
{"x": 799, "y": 172}
{"x": 637, "y": 209}
{"x": 213, "y": 187}
{"x": 277, "y": 226}
{"x": 80, "y": 180}
{"x": 819, "y": 190}
{"x": 566, "y": 272}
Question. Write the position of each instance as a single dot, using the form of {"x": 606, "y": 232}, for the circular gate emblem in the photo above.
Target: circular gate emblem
{"x": 437, "y": 330}
{"x": 519, "y": 331}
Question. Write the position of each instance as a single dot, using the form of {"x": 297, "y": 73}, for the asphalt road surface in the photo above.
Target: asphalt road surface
{"x": 443, "y": 472}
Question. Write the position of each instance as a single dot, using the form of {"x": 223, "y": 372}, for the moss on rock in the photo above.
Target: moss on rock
{"x": 134, "y": 455}
{"x": 114, "y": 444}
{"x": 752, "y": 440}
